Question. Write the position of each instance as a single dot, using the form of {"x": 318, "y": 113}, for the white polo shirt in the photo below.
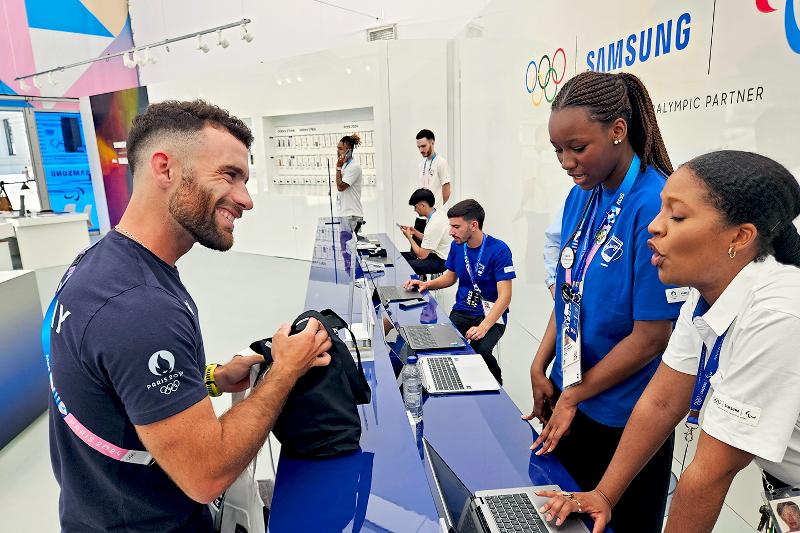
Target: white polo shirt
{"x": 433, "y": 174}
{"x": 754, "y": 404}
{"x": 437, "y": 234}
{"x": 348, "y": 201}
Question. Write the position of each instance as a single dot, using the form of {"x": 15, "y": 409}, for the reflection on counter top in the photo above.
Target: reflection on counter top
{"x": 41, "y": 218}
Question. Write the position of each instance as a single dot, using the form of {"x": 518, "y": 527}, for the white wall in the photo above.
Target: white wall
{"x": 13, "y": 164}
{"x": 383, "y": 76}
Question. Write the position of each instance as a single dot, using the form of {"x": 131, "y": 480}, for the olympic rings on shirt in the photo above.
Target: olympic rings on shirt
{"x": 172, "y": 387}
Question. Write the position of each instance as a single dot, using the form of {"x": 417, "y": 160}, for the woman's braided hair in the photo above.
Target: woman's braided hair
{"x": 608, "y": 97}
{"x": 750, "y": 188}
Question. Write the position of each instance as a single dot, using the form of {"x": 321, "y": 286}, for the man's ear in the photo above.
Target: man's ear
{"x": 162, "y": 169}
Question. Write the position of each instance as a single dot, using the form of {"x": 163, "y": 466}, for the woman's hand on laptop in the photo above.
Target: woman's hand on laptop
{"x": 558, "y": 424}
{"x": 562, "y": 504}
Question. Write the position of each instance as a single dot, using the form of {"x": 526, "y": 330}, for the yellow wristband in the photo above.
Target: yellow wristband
{"x": 211, "y": 385}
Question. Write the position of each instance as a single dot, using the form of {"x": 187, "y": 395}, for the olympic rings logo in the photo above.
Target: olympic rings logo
{"x": 172, "y": 387}
{"x": 542, "y": 82}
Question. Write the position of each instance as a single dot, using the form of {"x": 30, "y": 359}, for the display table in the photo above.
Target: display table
{"x": 384, "y": 486}
{"x": 23, "y": 381}
{"x": 50, "y": 240}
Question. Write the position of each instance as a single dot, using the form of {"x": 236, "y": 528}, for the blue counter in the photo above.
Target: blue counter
{"x": 384, "y": 487}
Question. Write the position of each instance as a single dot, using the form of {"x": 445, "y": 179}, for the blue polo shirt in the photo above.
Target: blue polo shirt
{"x": 620, "y": 286}
{"x": 496, "y": 265}
{"x": 126, "y": 350}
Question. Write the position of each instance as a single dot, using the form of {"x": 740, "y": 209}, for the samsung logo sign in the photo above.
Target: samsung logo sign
{"x": 639, "y": 47}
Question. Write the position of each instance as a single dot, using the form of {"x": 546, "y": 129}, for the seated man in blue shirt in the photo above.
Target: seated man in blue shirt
{"x": 483, "y": 268}
{"x": 126, "y": 352}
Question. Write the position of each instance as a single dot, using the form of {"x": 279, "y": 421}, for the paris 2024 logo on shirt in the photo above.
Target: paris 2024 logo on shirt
{"x": 612, "y": 250}
{"x": 162, "y": 365}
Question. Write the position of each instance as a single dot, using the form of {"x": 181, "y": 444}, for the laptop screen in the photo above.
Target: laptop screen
{"x": 453, "y": 494}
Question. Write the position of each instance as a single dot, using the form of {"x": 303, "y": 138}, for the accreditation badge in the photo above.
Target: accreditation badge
{"x": 571, "y": 347}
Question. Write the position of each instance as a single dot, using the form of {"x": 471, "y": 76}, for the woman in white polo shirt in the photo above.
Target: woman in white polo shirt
{"x": 725, "y": 228}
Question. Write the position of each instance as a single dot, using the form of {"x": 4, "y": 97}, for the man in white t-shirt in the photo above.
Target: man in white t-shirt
{"x": 428, "y": 257}
{"x": 348, "y": 180}
{"x": 434, "y": 173}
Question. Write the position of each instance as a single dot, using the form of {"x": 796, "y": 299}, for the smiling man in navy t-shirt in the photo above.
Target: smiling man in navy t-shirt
{"x": 127, "y": 355}
{"x": 483, "y": 268}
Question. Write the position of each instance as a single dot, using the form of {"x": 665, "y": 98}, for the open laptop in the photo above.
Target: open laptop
{"x": 490, "y": 511}
{"x": 428, "y": 337}
{"x": 448, "y": 374}
{"x": 397, "y": 294}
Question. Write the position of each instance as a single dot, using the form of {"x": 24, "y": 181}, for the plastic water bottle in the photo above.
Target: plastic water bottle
{"x": 412, "y": 388}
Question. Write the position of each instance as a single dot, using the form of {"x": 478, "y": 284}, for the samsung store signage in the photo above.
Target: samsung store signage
{"x": 666, "y": 37}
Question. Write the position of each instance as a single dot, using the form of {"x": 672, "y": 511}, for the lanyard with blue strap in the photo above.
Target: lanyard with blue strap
{"x": 82, "y": 432}
{"x": 430, "y": 166}
{"x": 473, "y": 298}
{"x": 572, "y": 289}
{"x": 702, "y": 382}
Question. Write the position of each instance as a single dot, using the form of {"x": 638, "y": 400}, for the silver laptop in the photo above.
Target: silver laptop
{"x": 397, "y": 294}
{"x": 448, "y": 374}
{"x": 490, "y": 511}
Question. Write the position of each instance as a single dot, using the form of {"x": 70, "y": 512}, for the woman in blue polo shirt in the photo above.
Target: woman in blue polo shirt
{"x": 612, "y": 316}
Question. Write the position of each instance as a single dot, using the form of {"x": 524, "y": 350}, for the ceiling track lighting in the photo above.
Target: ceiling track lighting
{"x": 221, "y": 41}
{"x": 201, "y": 45}
{"x": 141, "y": 55}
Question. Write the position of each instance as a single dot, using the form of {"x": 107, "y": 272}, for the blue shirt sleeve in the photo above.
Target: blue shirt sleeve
{"x": 450, "y": 263}
{"x": 649, "y": 294}
{"x": 552, "y": 247}
{"x": 503, "y": 264}
{"x": 144, "y": 345}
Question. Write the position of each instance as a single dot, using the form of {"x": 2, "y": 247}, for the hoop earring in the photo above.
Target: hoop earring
{"x": 731, "y": 252}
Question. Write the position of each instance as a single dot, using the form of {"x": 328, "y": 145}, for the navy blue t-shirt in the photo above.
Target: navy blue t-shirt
{"x": 126, "y": 349}
{"x": 621, "y": 286}
{"x": 496, "y": 265}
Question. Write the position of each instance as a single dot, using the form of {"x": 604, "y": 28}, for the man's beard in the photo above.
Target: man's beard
{"x": 192, "y": 208}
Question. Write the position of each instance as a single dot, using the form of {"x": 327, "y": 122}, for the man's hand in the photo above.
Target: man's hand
{"x": 302, "y": 351}
{"x": 408, "y": 232}
{"x": 234, "y": 376}
{"x": 340, "y": 162}
{"x": 420, "y": 285}
{"x": 543, "y": 397}
{"x": 478, "y": 332}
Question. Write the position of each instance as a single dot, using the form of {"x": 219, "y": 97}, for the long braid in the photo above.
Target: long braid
{"x": 608, "y": 97}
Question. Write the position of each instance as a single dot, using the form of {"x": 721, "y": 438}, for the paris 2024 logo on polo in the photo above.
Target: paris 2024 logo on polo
{"x": 789, "y": 21}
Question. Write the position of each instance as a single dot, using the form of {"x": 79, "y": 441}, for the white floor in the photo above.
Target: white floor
{"x": 243, "y": 297}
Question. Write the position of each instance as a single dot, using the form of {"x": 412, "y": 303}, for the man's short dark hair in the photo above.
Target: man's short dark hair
{"x": 426, "y": 134}
{"x": 422, "y": 195}
{"x": 469, "y": 210}
{"x": 181, "y": 118}
{"x": 784, "y": 505}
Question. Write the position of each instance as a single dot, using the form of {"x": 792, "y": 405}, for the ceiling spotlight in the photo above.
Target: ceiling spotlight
{"x": 138, "y": 58}
{"x": 299, "y": 79}
{"x": 36, "y": 82}
{"x": 220, "y": 41}
{"x": 148, "y": 57}
{"x": 279, "y": 82}
{"x": 23, "y": 86}
{"x": 128, "y": 60}
{"x": 347, "y": 69}
{"x": 288, "y": 81}
{"x": 201, "y": 45}
{"x": 367, "y": 68}
{"x": 246, "y": 35}
{"x": 52, "y": 80}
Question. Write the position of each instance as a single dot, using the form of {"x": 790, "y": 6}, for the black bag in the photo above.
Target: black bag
{"x": 320, "y": 418}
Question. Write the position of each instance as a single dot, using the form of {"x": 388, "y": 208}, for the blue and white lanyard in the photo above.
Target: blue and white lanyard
{"x": 478, "y": 270}
{"x": 705, "y": 371}
{"x": 430, "y": 166}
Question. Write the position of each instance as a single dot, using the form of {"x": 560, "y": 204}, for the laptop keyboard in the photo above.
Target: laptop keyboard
{"x": 387, "y": 294}
{"x": 421, "y": 338}
{"x": 445, "y": 375}
{"x": 515, "y": 513}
